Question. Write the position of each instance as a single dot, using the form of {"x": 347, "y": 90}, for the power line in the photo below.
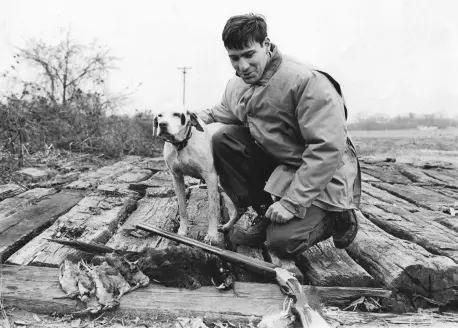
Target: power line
{"x": 183, "y": 69}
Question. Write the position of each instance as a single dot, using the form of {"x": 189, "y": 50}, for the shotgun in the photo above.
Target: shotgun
{"x": 288, "y": 283}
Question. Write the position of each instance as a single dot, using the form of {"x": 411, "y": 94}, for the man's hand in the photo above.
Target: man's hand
{"x": 278, "y": 213}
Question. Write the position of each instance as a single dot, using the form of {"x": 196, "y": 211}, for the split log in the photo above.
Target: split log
{"x": 34, "y": 289}
{"x": 419, "y": 196}
{"x": 386, "y": 197}
{"x": 118, "y": 189}
{"x": 13, "y": 205}
{"x": 58, "y": 180}
{"x": 18, "y": 229}
{"x": 416, "y": 174}
{"x": 385, "y": 172}
{"x": 369, "y": 178}
{"x": 105, "y": 174}
{"x": 448, "y": 221}
{"x": 136, "y": 175}
{"x": 325, "y": 265}
{"x": 10, "y": 190}
{"x": 442, "y": 176}
{"x": 415, "y": 227}
{"x": 36, "y": 174}
{"x": 93, "y": 219}
{"x": 159, "y": 212}
{"x": 403, "y": 265}
{"x": 153, "y": 164}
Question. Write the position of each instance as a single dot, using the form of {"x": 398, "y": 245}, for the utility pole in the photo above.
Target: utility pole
{"x": 183, "y": 69}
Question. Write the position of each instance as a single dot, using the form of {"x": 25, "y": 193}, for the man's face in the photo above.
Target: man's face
{"x": 250, "y": 61}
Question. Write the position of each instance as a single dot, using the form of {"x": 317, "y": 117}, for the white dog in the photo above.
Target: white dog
{"x": 188, "y": 151}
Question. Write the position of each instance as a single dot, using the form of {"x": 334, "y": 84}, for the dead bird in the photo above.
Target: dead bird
{"x": 122, "y": 286}
{"x": 68, "y": 279}
{"x": 86, "y": 285}
{"x": 173, "y": 266}
{"x": 105, "y": 288}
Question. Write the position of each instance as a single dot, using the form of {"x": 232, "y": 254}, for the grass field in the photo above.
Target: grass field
{"x": 410, "y": 146}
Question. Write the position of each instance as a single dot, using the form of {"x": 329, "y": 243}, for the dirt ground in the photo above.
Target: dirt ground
{"x": 409, "y": 146}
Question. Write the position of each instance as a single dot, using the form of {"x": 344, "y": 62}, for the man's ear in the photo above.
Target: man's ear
{"x": 195, "y": 121}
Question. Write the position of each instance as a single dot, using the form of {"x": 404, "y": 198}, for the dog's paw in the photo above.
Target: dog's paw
{"x": 215, "y": 240}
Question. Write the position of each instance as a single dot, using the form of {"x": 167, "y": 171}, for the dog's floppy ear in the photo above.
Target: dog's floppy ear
{"x": 195, "y": 121}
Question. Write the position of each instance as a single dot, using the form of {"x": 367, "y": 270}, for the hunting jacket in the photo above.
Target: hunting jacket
{"x": 297, "y": 116}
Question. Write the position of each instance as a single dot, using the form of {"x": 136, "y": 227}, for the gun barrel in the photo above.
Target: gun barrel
{"x": 248, "y": 263}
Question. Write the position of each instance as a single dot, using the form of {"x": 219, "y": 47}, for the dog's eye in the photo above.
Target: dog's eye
{"x": 176, "y": 115}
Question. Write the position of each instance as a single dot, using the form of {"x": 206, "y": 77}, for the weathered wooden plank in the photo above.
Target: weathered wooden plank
{"x": 13, "y": 205}
{"x": 58, "y": 180}
{"x": 153, "y": 164}
{"x": 105, "y": 174}
{"x": 419, "y": 196}
{"x": 416, "y": 174}
{"x": 117, "y": 189}
{"x": 18, "y": 229}
{"x": 447, "y": 191}
{"x": 400, "y": 264}
{"x": 415, "y": 227}
{"x": 386, "y": 197}
{"x": 369, "y": 178}
{"x": 450, "y": 222}
{"x": 159, "y": 212}
{"x": 36, "y": 174}
{"x": 10, "y": 190}
{"x": 325, "y": 265}
{"x": 385, "y": 172}
{"x": 442, "y": 176}
{"x": 93, "y": 219}
{"x": 133, "y": 176}
{"x": 34, "y": 289}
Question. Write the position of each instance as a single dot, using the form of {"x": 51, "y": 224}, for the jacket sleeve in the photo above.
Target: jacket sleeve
{"x": 321, "y": 118}
{"x": 221, "y": 112}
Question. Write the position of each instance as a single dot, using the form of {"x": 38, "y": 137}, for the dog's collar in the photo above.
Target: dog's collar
{"x": 179, "y": 145}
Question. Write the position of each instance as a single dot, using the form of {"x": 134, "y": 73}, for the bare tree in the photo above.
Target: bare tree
{"x": 69, "y": 69}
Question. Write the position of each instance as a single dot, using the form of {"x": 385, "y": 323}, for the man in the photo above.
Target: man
{"x": 285, "y": 139}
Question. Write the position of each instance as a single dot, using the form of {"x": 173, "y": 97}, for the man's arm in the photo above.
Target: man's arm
{"x": 220, "y": 113}
{"x": 321, "y": 119}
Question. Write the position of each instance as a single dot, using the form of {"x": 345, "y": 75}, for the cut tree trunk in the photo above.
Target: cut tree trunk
{"x": 325, "y": 265}
{"x": 419, "y": 196}
{"x": 13, "y": 205}
{"x": 34, "y": 289}
{"x": 10, "y": 190}
{"x": 94, "y": 219}
{"x": 403, "y": 265}
{"x": 416, "y": 228}
{"x": 416, "y": 175}
{"x": 386, "y": 197}
{"x": 159, "y": 212}
{"x": 16, "y": 230}
{"x": 385, "y": 172}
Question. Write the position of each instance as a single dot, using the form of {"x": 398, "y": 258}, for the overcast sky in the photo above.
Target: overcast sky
{"x": 389, "y": 56}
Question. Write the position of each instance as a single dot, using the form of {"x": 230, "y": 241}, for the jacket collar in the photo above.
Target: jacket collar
{"x": 271, "y": 67}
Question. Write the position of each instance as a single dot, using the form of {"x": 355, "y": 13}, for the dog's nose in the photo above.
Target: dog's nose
{"x": 162, "y": 125}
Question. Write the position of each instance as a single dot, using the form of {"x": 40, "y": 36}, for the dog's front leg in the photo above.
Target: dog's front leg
{"x": 213, "y": 236}
{"x": 180, "y": 190}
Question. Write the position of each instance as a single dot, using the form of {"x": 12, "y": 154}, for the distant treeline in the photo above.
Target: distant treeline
{"x": 410, "y": 121}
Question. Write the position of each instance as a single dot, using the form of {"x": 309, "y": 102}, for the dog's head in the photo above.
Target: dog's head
{"x": 173, "y": 119}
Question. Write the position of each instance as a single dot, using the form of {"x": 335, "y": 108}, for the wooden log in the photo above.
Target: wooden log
{"x": 58, "y": 180}
{"x": 105, "y": 174}
{"x": 325, "y": 265}
{"x": 35, "y": 174}
{"x": 442, "y": 176}
{"x": 118, "y": 189}
{"x": 369, "y": 178}
{"x": 10, "y": 190}
{"x": 419, "y": 196}
{"x": 159, "y": 212}
{"x": 34, "y": 289}
{"x": 93, "y": 219}
{"x": 448, "y": 221}
{"x": 416, "y": 174}
{"x": 133, "y": 176}
{"x": 18, "y": 229}
{"x": 385, "y": 172}
{"x": 403, "y": 265}
{"x": 416, "y": 228}
{"x": 13, "y": 205}
{"x": 153, "y": 164}
{"x": 386, "y": 197}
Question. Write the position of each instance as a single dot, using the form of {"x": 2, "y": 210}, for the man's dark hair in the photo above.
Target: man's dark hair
{"x": 241, "y": 30}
